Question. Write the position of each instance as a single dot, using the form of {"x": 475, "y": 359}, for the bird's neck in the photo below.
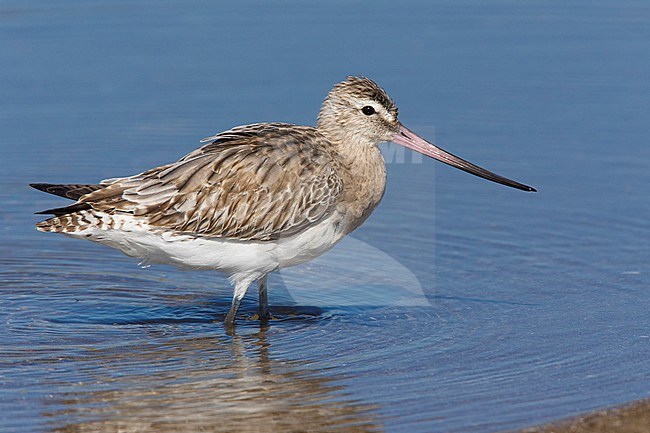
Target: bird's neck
{"x": 363, "y": 174}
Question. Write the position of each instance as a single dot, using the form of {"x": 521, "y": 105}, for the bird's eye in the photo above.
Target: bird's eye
{"x": 368, "y": 110}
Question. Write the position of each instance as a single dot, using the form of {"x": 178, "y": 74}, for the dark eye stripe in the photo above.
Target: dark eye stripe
{"x": 368, "y": 110}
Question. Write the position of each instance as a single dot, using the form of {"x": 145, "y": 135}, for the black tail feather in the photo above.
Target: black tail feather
{"x": 71, "y": 191}
{"x": 65, "y": 210}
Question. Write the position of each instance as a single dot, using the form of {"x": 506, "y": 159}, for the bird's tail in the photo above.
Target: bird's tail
{"x": 71, "y": 191}
{"x": 64, "y": 217}
{"x": 76, "y": 223}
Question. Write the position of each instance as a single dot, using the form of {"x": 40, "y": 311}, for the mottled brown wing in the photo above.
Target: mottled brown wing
{"x": 255, "y": 182}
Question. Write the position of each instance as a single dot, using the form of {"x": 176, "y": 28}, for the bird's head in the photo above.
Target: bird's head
{"x": 357, "y": 112}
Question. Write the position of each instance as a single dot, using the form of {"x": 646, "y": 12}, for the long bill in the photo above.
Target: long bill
{"x": 411, "y": 140}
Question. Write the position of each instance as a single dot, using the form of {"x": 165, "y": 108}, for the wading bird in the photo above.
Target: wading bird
{"x": 256, "y": 198}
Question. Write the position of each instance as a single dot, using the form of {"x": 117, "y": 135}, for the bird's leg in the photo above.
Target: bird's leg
{"x": 240, "y": 291}
{"x": 263, "y": 308}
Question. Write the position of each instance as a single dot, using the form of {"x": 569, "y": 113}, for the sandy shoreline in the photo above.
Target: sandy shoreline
{"x": 630, "y": 418}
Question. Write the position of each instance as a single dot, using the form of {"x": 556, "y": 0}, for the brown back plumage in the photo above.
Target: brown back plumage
{"x": 254, "y": 182}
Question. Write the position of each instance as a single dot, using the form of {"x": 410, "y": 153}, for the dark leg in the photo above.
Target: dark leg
{"x": 263, "y": 308}
{"x": 230, "y": 317}
{"x": 240, "y": 291}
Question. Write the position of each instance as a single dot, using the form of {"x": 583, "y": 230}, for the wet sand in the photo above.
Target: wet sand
{"x": 631, "y": 418}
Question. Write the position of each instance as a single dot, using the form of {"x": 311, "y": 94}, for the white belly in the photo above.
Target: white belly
{"x": 232, "y": 257}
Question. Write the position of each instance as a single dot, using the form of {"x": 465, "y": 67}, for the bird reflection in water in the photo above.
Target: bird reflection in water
{"x": 207, "y": 384}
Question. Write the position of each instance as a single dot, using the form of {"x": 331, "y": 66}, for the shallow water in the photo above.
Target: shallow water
{"x": 459, "y": 306}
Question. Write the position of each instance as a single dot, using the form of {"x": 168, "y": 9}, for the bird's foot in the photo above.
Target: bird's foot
{"x": 264, "y": 318}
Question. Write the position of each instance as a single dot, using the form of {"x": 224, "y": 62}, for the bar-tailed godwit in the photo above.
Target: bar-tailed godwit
{"x": 256, "y": 198}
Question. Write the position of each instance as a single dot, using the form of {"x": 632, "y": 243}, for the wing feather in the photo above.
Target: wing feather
{"x": 255, "y": 182}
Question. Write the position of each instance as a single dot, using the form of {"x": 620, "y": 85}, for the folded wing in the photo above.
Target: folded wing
{"x": 255, "y": 182}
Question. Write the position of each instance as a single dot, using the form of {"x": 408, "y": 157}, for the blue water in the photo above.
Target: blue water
{"x": 459, "y": 306}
